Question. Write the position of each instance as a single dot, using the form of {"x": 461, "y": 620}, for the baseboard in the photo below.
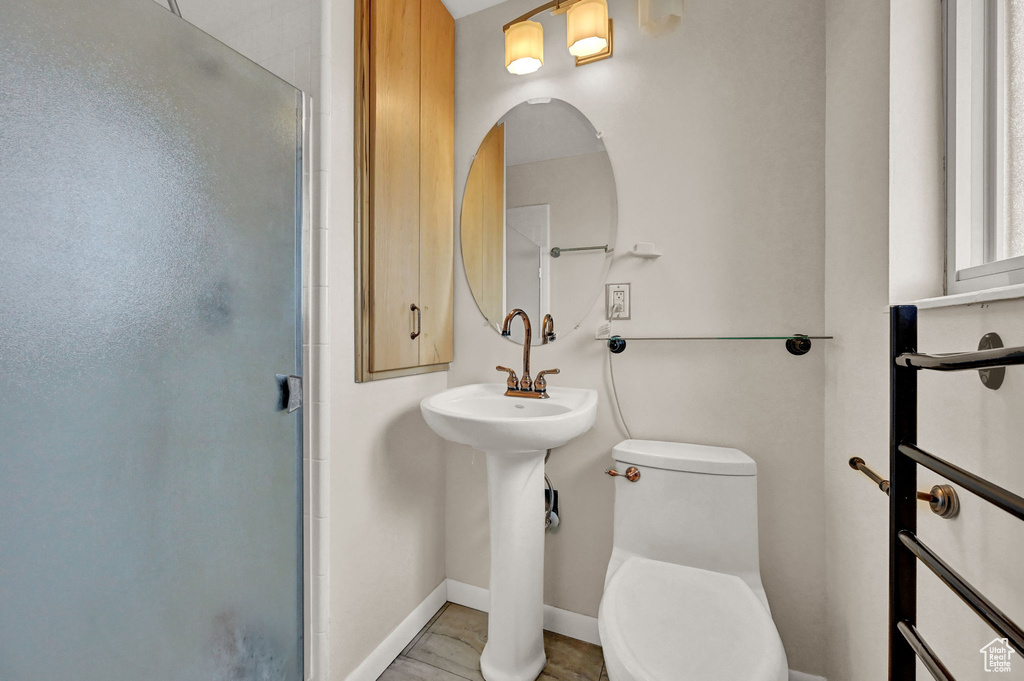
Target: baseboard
{"x": 468, "y": 595}
{"x": 565, "y": 622}
{"x": 379, "y": 660}
{"x": 800, "y": 676}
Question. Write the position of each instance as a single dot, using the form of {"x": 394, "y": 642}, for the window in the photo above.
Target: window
{"x": 984, "y": 144}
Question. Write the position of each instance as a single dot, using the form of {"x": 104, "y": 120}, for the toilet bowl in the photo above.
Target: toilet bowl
{"x": 683, "y": 599}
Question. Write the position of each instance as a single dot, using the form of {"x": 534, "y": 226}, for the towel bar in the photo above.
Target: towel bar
{"x": 942, "y": 500}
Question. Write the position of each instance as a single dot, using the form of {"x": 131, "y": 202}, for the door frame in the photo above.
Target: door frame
{"x": 311, "y": 600}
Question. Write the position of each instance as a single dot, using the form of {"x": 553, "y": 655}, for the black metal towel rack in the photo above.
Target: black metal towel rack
{"x": 905, "y": 549}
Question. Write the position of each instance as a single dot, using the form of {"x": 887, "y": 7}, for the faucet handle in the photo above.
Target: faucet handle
{"x": 541, "y": 384}
{"x": 512, "y": 382}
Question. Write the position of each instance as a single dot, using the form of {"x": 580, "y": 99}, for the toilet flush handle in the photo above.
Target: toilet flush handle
{"x": 632, "y": 473}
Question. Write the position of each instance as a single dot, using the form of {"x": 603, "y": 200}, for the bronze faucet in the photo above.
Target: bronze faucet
{"x": 525, "y": 386}
{"x": 547, "y": 330}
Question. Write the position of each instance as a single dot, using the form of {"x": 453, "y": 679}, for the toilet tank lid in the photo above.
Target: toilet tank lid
{"x": 679, "y": 456}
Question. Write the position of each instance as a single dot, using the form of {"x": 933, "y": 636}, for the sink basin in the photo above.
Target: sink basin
{"x": 482, "y": 417}
{"x": 515, "y": 432}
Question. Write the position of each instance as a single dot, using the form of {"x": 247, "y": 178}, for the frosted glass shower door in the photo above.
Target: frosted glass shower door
{"x": 150, "y": 482}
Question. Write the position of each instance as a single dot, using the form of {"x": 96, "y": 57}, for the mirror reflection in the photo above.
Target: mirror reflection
{"x": 539, "y": 214}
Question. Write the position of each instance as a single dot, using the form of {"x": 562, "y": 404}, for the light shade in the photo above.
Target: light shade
{"x": 524, "y": 47}
{"x": 587, "y": 27}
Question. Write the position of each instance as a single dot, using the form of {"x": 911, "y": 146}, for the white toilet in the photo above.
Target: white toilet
{"x": 683, "y": 599}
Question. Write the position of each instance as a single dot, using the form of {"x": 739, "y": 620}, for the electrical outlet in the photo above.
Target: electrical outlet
{"x": 617, "y": 301}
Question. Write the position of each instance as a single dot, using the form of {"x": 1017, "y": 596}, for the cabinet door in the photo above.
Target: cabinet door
{"x": 394, "y": 236}
{"x": 437, "y": 180}
{"x": 483, "y": 249}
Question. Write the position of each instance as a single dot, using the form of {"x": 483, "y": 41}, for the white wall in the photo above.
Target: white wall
{"x": 716, "y": 137}
{"x": 885, "y": 227}
{"x": 856, "y": 299}
{"x": 917, "y": 134}
{"x": 387, "y": 483}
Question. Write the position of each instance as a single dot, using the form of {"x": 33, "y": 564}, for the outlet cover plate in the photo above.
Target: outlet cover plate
{"x": 617, "y": 293}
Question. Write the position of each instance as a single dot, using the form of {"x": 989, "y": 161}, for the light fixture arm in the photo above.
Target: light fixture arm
{"x": 556, "y": 7}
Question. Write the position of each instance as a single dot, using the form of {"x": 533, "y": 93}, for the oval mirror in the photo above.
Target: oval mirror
{"x": 539, "y": 217}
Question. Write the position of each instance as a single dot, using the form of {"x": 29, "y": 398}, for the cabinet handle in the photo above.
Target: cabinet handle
{"x": 419, "y": 321}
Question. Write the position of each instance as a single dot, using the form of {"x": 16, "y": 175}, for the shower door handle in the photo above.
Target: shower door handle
{"x": 290, "y": 388}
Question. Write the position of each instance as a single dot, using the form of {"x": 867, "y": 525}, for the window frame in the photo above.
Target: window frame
{"x": 975, "y": 202}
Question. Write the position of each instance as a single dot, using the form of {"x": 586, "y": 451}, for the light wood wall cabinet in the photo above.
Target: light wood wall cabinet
{"x": 405, "y": 142}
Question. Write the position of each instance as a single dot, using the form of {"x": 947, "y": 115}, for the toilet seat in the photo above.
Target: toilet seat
{"x": 664, "y": 622}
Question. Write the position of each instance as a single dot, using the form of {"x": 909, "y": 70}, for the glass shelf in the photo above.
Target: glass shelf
{"x": 710, "y": 338}
{"x": 796, "y": 344}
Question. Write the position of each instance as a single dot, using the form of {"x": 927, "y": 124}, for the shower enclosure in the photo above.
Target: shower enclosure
{"x": 150, "y": 281}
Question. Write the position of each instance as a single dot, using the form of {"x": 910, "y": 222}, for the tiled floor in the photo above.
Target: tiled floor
{"x": 449, "y": 647}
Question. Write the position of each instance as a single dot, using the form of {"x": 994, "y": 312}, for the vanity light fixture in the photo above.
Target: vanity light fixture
{"x": 588, "y": 33}
{"x": 524, "y": 47}
{"x": 587, "y": 28}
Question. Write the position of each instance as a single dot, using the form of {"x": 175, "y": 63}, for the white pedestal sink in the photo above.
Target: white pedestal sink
{"x": 515, "y": 433}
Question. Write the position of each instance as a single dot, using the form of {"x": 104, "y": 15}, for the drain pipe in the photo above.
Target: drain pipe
{"x": 550, "y": 501}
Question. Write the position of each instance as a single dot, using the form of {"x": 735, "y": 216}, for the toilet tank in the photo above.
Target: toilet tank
{"x": 693, "y": 505}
